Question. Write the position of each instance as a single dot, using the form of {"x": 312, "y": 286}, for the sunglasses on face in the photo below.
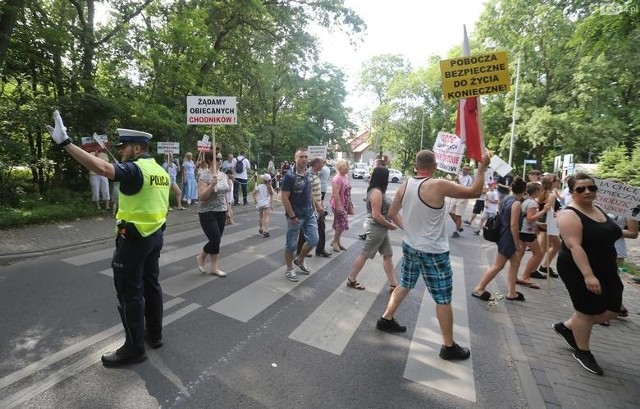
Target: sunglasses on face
{"x": 582, "y": 189}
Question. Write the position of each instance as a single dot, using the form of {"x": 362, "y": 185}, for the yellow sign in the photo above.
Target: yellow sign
{"x": 475, "y": 75}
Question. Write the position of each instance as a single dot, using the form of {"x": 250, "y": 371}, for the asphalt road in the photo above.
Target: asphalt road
{"x": 253, "y": 339}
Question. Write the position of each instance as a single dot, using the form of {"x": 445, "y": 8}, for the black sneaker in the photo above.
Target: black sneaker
{"x": 587, "y": 361}
{"x": 390, "y": 325}
{"x": 467, "y": 222}
{"x": 566, "y": 334}
{"x": 538, "y": 274}
{"x": 454, "y": 353}
{"x": 548, "y": 270}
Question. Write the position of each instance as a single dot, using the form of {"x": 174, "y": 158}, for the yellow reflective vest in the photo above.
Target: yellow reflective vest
{"x": 147, "y": 209}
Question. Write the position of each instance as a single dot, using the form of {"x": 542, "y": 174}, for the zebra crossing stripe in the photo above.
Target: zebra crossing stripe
{"x": 192, "y": 279}
{"x": 88, "y": 258}
{"x": 182, "y": 253}
{"x": 424, "y": 366}
{"x": 265, "y": 291}
{"x": 332, "y": 325}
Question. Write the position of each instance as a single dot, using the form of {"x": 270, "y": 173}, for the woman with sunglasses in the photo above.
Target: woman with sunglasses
{"x": 587, "y": 266}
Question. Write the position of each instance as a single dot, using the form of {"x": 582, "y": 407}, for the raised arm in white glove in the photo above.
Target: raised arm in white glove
{"x": 59, "y": 133}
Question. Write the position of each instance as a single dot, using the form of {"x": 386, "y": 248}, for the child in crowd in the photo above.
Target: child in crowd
{"x": 263, "y": 196}
{"x": 491, "y": 204}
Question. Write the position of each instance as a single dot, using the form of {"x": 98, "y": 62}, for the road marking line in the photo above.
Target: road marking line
{"x": 67, "y": 352}
{"x": 183, "y": 253}
{"x": 424, "y": 366}
{"x": 332, "y": 325}
{"x": 75, "y": 368}
{"x": 192, "y": 279}
{"x": 106, "y": 254}
{"x": 251, "y": 300}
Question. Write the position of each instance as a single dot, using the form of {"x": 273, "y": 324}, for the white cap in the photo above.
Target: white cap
{"x": 130, "y": 135}
{"x": 266, "y": 177}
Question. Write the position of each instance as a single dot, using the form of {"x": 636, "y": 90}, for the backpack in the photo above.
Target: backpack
{"x": 239, "y": 165}
{"x": 491, "y": 229}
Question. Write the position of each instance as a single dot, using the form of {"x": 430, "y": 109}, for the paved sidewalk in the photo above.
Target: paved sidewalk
{"x": 549, "y": 375}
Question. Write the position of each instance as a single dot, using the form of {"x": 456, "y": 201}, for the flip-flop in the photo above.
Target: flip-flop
{"x": 485, "y": 296}
{"x": 528, "y": 284}
{"x": 519, "y": 297}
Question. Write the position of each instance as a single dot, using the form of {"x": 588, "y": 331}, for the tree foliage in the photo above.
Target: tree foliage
{"x": 134, "y": 67}
{"x": 578, "y": 92}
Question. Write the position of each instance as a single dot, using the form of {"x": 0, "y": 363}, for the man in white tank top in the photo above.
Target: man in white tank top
{"x": 425, "y": 247}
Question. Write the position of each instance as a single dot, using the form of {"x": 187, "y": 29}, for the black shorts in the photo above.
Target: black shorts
{"x": 478, "y": 207}
{"x": 527, "y": 237}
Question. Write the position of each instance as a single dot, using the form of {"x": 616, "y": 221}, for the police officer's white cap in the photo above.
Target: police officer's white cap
{"x": 130, "y": 135}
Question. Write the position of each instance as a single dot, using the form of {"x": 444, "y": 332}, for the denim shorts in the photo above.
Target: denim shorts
{"x": 434, "y": 268}
{"x": 309, "y": 226}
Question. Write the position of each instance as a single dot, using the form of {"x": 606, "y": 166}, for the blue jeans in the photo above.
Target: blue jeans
{"x": 309, "y": 226}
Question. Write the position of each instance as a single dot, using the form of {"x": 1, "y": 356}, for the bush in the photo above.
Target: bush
{"x": 55, "y": 205}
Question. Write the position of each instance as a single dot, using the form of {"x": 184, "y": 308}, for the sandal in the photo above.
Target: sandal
{"x": 335, "y": 247}
{"x": 623, "y": 312}
{"x": 528, "y": 284}
{"x": 354, "y": 284}
{"x": 519, "y": 297}
{"x": 342, "y": 248}
{"x": 260, "y": 231}
{"x": 266, "y": 234}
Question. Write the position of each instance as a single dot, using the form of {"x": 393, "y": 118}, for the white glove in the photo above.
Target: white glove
{"x": 59, "y": 133}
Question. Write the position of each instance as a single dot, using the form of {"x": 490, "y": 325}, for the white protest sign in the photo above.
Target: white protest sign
{"x": 618, "y": 199}
{"x": 448, "y": 149}
{"x": 211, "y": 110}
{"x": 168, "y": 147}
{"x": 552, "y": 223}
{"x": 499, "y": 166}
{"x": 313, "y": 151}
{"x": 95, "y": 142}
{"x": 204, "y": 146}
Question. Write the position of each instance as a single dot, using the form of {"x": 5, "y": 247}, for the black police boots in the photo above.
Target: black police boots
{"x": 121, "y": 357}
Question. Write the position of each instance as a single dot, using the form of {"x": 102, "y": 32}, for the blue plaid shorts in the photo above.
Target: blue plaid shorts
{"x": 434, "y": 268}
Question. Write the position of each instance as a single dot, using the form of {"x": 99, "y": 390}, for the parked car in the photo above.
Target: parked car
{"x": 395, "y": 176}
{"x": 359, "y": 170}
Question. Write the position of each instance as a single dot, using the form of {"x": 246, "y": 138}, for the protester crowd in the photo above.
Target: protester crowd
{"x": 591, "y": 248}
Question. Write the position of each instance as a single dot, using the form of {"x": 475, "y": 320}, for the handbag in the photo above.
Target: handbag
{"x": 491, "y": 229}
{"x": 350, "y": 209}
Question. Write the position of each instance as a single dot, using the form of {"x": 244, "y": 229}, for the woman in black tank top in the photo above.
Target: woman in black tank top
{"x": 587, "y": 266}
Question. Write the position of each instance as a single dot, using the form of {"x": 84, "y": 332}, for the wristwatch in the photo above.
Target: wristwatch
{"x": 65, "y": 142}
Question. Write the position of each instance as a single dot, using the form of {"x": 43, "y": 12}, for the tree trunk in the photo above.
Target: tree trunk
{"x": 8, "y": 16}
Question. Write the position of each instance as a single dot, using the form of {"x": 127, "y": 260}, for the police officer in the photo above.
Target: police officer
{"x": 144, "y": 198}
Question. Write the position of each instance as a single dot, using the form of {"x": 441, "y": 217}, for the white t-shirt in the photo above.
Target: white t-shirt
{"x": 491, "y": 202}
{"x": 264, "y": 199}
{"x": 465, "y": 180}
{"x": 242, "y": 175}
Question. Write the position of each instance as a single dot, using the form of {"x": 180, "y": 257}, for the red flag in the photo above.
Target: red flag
{"x": 467, "y": 127}
{"x": 468, "y": 120}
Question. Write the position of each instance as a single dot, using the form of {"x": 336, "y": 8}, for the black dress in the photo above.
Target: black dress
{"x": 506, "y": 244}
{"x": 598, "y": 243}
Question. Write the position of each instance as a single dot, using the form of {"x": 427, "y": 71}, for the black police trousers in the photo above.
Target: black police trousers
{"x": 135, "y": 275}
